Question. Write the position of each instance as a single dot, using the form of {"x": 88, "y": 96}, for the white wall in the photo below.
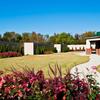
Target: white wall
{"x": 28, "y": 48}
{"x": 88, "y": 44}
{"x": 58, "y": 47}
{"x": 80, "y": 46}
{"x": 76, "y": 47}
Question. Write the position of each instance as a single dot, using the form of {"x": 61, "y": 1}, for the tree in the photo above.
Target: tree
{"x": 77, "y": 38}
{"x": 26, "y": 37}
{"x": 40, "y": 38}
{"x": 37, "y": 37}
{"x": 0, "y": 37}
{"x": 63, "y": 37}
{"x": 33, "y": 37}
{"x": 9, "y": 36}
{"x": 46, "y": 37}
{"x": 86, "y": 35}
{"x": 18, "y": 37}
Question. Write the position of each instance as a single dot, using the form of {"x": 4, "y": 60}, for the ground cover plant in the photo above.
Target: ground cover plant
{"x": 66, "y": 60}
{"x": 31, "y": 85}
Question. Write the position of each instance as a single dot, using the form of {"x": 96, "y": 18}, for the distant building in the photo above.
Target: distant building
{"x": 58, "y": 47}
{"x": 93, "y": 41}
{"x": 28, "y": 48}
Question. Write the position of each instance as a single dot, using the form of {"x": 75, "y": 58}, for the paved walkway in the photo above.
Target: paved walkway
{"x": 89, "y": 67}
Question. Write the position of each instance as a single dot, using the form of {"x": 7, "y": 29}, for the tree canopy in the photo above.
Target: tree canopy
{"x": 63, "y": 37}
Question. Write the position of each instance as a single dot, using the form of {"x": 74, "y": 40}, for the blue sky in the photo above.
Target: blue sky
{"x": 49, "y": 16}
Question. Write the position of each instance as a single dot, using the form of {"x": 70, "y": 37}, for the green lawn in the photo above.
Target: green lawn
{"x": 66, "y": 60}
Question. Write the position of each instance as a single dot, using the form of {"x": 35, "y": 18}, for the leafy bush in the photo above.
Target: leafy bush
{"x": 37, "y": 51}
{"x": 64, "y": 48}
{"x": 54, "y": 50}
{"x": 28, "y": 85}
{"x": 11, "y": 47}
{"x": 40, "y": 50}
{"x": 45, "y": 50}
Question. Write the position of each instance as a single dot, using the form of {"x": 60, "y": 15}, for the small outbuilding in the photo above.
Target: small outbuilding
{"x": 58, "y": 47}
{"x": 93, "y": 41}
{"x": 28, "y": 48}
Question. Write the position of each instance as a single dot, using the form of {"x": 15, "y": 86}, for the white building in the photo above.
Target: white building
{"x": 93, "y": 41}
{"x": 58, "y": 47}
{"x": 28, "y": 48}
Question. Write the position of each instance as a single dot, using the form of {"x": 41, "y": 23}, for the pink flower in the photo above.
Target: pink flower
{"x": 25, "y": 84}
{"x": 1, "y": 81}
{"x": 94, "y": 67}
{"x": 27, "y": 89}
{"x": 32, "y": 80}
{"x": 19, "y": 93}
{"x": 13, "y": 87}
{"x": 55, "y": 97}
{"x": 20, "y": 86}
{"x": 47, "y": 81}
{"x": 7, "y": 90}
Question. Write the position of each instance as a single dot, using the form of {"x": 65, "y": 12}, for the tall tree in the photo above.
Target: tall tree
{"x": 34, "y": 37}
{"x": 77, "y": 38}
{"x": 9, "y": 36}
{"x": 26, "y": 37}
{"x": 46, "y": 37}
{"x": 63, "y": 37}
{"x": 18, "y": 37}
{"x": 86, "y": 35}
{"x": 40, "y": 38}
{"x": 0, "y": 37}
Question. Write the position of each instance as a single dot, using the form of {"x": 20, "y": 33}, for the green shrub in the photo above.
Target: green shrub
{"x": 54, "y": 50}
{"x": 64, "y": 48}
{"x": 37, "y": 51}
{"x": 44, "y": 50}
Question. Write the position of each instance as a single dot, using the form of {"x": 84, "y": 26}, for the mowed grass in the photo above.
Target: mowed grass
{"x": 38, "y": 62}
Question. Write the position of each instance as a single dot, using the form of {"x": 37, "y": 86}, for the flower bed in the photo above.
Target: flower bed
{"x": 29, "y": 85}
{"x": 9, "y": 54}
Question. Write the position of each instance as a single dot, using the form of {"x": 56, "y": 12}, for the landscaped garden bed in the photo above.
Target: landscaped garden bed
{"x": 31, "y": 85}
{"x": 9, "y": 54}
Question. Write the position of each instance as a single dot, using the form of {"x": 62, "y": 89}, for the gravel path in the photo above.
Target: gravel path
{"x": 89, "y": 67}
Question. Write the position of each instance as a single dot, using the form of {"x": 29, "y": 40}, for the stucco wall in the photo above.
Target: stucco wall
{"x": 76, "y": 47}
{"x": 58, "y": 47}
{"x": 80, "y": 47}
{"x": 29, "y": 48}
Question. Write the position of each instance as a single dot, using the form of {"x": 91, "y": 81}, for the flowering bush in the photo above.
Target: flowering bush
{"x": 9, "y": 54}
{"x": 28, "y": 85}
